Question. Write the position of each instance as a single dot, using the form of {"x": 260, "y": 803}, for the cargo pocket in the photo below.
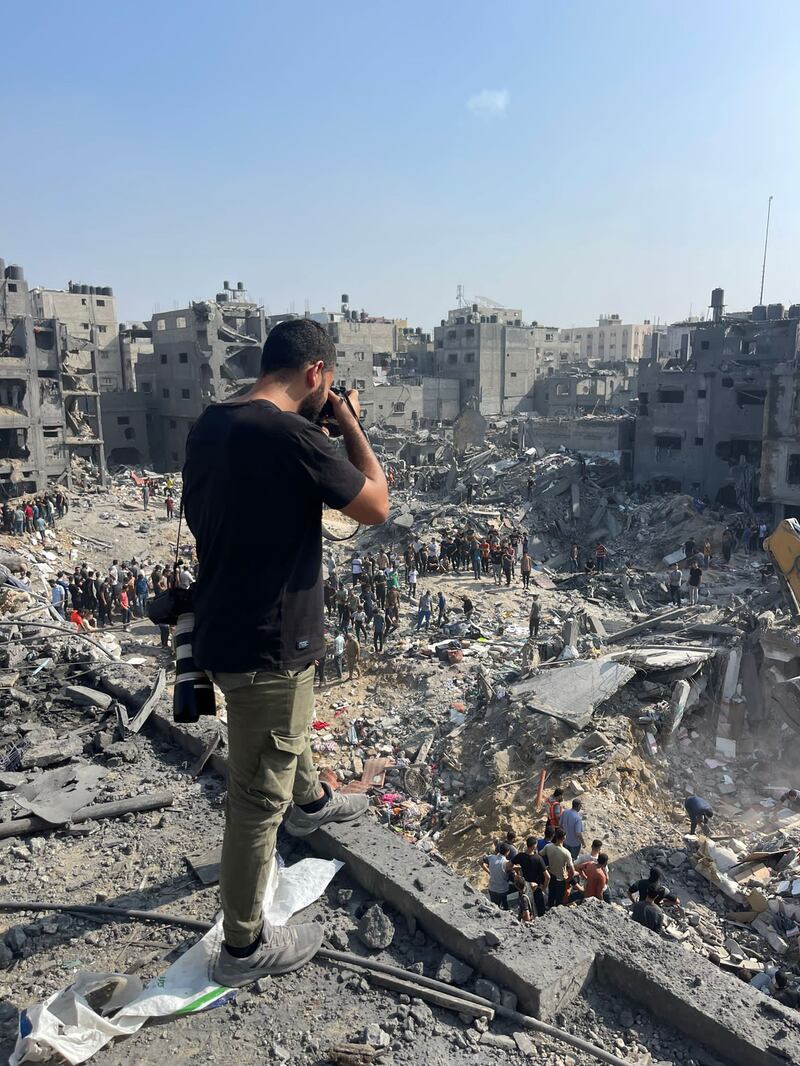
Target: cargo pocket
{"x": 293, "y": 743}
{"x": 273, "y": 781}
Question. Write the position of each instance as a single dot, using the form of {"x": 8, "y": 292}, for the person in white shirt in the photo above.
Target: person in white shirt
{"x": 356, "y": 566}
{"x": 413, "y": 574}
{"x": 338, "y": 653}
{"x": 185, "y": 578}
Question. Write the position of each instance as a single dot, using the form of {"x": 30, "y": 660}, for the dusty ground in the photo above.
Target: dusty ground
{"x": 140, "y": 860}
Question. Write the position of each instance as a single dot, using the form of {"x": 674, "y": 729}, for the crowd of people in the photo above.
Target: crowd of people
{"x": 34, "y": 516}
{"x": 557, "y": 868}
{"x": 92, "y": 599}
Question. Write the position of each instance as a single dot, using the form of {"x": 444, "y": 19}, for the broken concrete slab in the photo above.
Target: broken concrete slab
{"x": 51, "y": 752}
{"x": 572, "y": 692}
{"x": 56, "y": 795}
{"x": 123, "y": 682}
{"x": 88, "y": 697}
{"x": 546, "y": 964}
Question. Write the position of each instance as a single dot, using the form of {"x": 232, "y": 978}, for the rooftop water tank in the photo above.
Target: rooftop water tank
{"x": 774, "y": 311}
{"x": 15, "y": 273}
{"x": 85, "y": 290}
{"x": 759, "y": 313}
{"x": 794, "y": 311}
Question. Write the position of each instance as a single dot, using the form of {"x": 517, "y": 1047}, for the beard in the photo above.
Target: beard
{"x": 313, "y": 403}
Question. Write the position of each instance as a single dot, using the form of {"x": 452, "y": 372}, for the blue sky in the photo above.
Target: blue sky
{"x": 570, "y": 159}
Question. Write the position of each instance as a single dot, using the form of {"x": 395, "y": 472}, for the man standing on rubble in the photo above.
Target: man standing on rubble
{"x": 600, "y": 553}
{"x": 674, "y": 579}
{"x": 259, "y": 637}
{"x": 572, "y": 824}
{"x": 535, "y": 619}
{"x": 695, "y": 577}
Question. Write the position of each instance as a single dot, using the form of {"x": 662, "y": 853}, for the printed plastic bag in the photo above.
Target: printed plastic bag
{"x": 77, "y": 1022}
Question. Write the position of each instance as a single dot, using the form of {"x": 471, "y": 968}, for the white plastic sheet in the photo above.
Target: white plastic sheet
{"x": 76, "y": 1023}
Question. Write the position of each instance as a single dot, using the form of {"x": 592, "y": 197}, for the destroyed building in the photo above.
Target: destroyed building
{"x": 701, "y": 419}
{"x": 573, "y": 391}
{"x": 201, "y": 354}
{"x": 780, "y": 454}
{"x": 49, "y": 390}
{"x": 89, "y": 313}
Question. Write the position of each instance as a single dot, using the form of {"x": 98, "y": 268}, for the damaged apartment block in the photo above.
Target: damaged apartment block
{"x": 701, "y": 418}
{"x": 49, "y": 394}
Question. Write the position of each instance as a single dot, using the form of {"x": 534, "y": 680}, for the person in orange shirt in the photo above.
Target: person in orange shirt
{"x": 595, "y": 874}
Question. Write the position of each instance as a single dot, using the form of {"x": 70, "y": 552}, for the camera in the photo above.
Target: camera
{"x": 327, "y": 420}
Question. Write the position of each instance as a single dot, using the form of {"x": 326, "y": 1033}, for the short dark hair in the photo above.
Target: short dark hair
{"x": 503, "y": 848}
{"x": 655, "y": 874}
{"x": 558, "y": 792}
{"x": 597, "y": 843}
{"x": 602, "y": 859}
{"x": 548, "y": 831}
{"x": 576, "y": 805}
{"x": 559, "y": 834}
{"x": 293, "y": 344}
{"x": 652, "y": 891}
{"x": 530, "y": 842}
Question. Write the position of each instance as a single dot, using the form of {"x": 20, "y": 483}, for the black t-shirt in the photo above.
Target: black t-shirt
{"x": 532, "y": 866}
{"x": 254, "y": 483}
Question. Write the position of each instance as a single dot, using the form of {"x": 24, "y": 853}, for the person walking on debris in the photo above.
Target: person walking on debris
{"x": 647, "y": 912}
{"x": 560, "y": 868}
{"x": 265, "y": 447}
{"x": 353, "y": 653}
{"x": 689, "y": 548}
{"x": 674, "y": 579}
{"x": 706, "y": 554}
{"x": 574, "y": 565}
{"x": 699, "y": 811}
{"x": 424, "y": 611}
{"x": 146, "y": 495}
{"x": 441, "y": 607}
{"x": 467, "y": 606}
{"x": 338, "y": 652}
{"x": 498, "y": 867}
{"x": 508, "y": 564}
{"x": 525, "y": 567}
{"x": 600, "y": 554}
{"x": 695, "y": 577}
{"x": 475, "y": 554}
{"x": 727, "y": 545}
{"x": 496, "y": 555}
{"x": 529, "y": 488}
{"x": 534, "y": 619}
{"x": 572, "y": 824}
{"x": 378, "y": 629}
{"x": 555, "y": 808}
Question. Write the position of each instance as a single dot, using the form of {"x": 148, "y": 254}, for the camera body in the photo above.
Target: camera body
{"x": 326, "y": 419}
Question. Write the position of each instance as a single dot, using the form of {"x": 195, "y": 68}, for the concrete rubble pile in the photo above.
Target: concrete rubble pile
{"x": 622, "y": 699}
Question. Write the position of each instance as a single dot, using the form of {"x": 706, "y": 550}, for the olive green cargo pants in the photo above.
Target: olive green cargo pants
{"x": 269, "y": 764}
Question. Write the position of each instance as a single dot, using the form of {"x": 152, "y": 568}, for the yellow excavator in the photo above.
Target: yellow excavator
{"x": 783, "y": 546}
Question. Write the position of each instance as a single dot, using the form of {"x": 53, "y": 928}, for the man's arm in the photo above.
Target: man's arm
{"x": 371, "y": 505}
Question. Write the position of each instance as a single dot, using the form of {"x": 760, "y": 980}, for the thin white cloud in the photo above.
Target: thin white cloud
{"x": 489, "y": 103}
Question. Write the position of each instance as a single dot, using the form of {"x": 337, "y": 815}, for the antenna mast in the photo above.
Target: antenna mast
{"x": 764, "y": 263}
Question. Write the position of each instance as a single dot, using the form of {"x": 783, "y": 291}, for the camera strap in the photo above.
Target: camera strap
{"x": 178, "y": 541}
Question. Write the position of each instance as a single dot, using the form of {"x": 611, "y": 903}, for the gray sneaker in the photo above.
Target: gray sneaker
{"x": 339, "y": 808}
{"x": 282, "y": 948}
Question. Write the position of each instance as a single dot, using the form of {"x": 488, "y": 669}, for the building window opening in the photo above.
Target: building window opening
{"x": 670, "y": 396}
{"x": 793, "y": 469}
